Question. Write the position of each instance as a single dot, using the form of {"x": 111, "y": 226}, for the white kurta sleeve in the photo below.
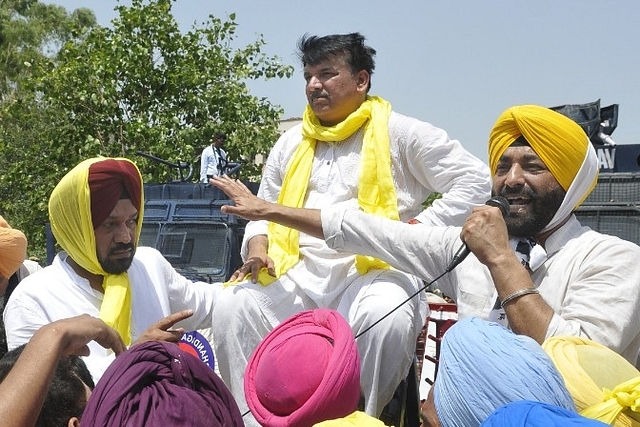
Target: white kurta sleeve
{"x": 444, "y": 165}
{"x": 602, "y": 294}
{"x": 417, "y": 249}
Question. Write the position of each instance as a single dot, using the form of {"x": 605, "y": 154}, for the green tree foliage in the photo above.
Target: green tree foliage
{"x": 31, "y": 32}
{"x": 430, "y": 199}
{"x": 141, "y": 85}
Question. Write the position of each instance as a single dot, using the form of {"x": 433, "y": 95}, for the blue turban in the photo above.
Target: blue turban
{"x": 536, "y": 414}
{"x": 484, "y": 366}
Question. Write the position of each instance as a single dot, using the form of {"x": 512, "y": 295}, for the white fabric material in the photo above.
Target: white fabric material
{"x": 590, "y": 280}
{"x": 57, "y": 292}
{"x": 579, "y": 187}
{"x": 239, "y": 324}
{"x": 210, "y": 162}
{"x": 423, "y": 160}
{"x": 28, "y": 267}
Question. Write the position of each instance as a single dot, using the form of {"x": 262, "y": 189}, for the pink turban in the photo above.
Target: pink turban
{"x": 304, "y": 371}
{"x": 13, "y": 249}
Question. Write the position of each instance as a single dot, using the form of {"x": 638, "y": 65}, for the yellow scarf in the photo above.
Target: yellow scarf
{"x": 70, "y": 217}
{"x": 604, "y": 385}
{"x": 355, "y": 419}
{"x": 376, "y": 190}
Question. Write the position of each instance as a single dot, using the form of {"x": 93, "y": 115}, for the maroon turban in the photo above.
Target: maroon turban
{"x": 306, "y": 370}
{"x": 158, "y": 384}
{"x": 109, "y": 181}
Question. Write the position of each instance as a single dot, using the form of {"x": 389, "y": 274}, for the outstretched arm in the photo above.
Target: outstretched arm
{"x": 24, "y": 389}
{"x": 253, "y": 208}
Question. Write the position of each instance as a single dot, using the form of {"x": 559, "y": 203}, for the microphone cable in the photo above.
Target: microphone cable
{"x": 497, "y": 202}
{"x": 403, "y": 302}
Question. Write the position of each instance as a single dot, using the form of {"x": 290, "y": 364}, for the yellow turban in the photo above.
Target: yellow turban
{"x": 603, "y": 384}
{"x": 70, "y": 214}
{"x": 559, "y": 142}
{"x": 356, "y": 419}
{"x": 13, "y": 248}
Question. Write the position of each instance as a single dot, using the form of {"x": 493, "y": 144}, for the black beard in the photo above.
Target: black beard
{"x": 543, "y": 207}
{"x": 119, "y": 265}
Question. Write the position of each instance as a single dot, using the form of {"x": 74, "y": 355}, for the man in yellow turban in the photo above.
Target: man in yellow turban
{"x": 96, "y": 215}
{"x": 350, "y": 148}
{"x": 538, "y": 271}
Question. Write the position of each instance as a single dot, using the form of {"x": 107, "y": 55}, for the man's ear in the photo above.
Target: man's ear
{"x": 362, "y": 80}
{"x": 73, "y": 422}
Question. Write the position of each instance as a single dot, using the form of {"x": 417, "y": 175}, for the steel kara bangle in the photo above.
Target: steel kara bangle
{"x": 517, "y": 294}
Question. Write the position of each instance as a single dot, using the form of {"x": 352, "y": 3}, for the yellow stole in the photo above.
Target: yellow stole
{"x": 70, "y": 217}
{"x": 376, "y": 190}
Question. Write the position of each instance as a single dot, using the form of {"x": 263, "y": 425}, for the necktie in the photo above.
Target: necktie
{"x": 523, "y": 251}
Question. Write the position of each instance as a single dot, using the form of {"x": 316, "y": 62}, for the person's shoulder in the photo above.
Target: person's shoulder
{"x": 410, "y": 124}
{"x": 411, "y": 132}
{"x": 590, "y": 238}
{"x": 38, "y": 274}
{"x": 145, "y": 261}
{"x": 296, "y": 129}
{"x": 144, "y": 253}
{"x": 287, "y": 142}
{"x": 38, "y": 284}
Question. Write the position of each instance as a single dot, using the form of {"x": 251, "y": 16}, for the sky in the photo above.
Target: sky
{"x": 457, "y": 63}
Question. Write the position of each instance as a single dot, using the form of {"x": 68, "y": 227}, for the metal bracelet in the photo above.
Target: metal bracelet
{"x": 517, "y": 294}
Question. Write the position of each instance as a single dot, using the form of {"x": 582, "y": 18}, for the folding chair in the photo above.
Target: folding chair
{"x": 442, "y": 316}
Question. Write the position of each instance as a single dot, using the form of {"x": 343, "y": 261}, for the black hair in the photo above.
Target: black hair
{"x": 520, "y": 141}
{"x": 313, "y": 49}
{"x": 66, "y": 396}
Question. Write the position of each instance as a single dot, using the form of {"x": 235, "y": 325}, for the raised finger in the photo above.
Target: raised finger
{"x": 170, "y": 320}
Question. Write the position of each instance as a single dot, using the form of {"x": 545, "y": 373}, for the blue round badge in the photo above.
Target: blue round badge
{"x": 197, "y": 345}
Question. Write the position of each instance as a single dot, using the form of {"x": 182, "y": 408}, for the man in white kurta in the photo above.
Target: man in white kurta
{"x": 590, "y": 280}
{"x": 57, "y": 292}
{"x": 96, "y": 213}
{"x": 573, "y": 280}
{"x": 422, "y": 159}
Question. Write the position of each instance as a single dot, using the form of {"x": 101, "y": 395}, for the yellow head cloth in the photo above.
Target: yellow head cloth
{"x": 559, "y": 142}
{"x": 356, "y": 419}
{"x": 603, "y": 384}
{"x": 376, "y": 189}
{"x": 72, "y": 226}
{"x": 13, "y": 249}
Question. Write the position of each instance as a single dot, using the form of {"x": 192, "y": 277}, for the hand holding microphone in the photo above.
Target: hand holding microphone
{"x": 463, "y": 252}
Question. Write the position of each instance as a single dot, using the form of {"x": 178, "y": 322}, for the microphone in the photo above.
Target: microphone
{"x": 461, "y": 254}
{"x": 498, "y": 202}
